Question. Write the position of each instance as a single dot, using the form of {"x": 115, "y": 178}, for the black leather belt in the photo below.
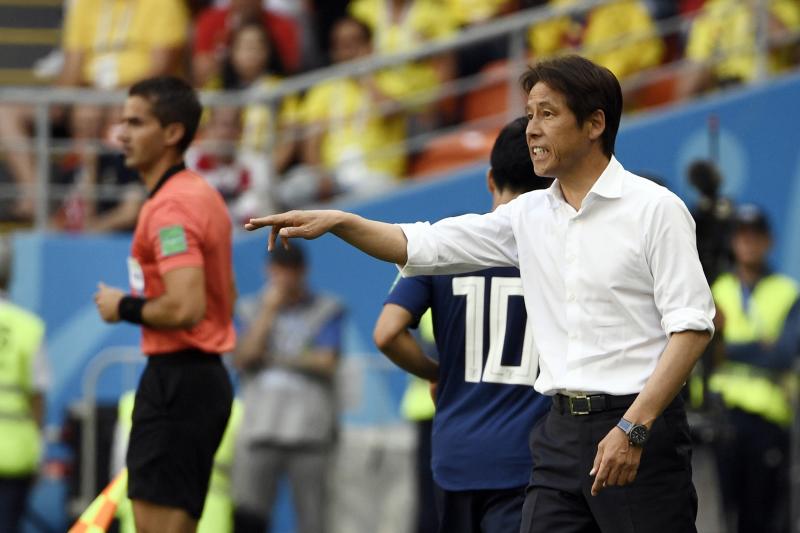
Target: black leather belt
{"x": 591, "y": 403}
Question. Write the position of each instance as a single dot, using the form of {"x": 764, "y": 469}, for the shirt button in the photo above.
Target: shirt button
{"x": 573, "y": 336}
{"x": 571, "y": 297}
{"x": 570, "y": 258}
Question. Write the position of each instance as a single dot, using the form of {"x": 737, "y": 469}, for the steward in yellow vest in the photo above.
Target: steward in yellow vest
{"x": 754, "y": 381}
{"x": 24, "y": 376}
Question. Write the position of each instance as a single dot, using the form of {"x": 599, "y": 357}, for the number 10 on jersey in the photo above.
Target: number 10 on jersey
{"x": 502, "y": 288}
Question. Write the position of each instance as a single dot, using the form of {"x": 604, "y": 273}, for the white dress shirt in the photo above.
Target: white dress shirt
{"x": 604, "y": 286}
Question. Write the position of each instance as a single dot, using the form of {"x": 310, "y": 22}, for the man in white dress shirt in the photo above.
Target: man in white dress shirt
{"x": 615, "y": 293}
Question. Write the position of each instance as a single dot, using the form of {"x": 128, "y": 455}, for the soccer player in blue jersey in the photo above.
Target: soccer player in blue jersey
{"x": 485, "y": 402}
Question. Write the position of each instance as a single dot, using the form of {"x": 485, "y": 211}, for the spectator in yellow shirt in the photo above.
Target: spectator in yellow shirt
{"x": 725, "y": 31}
{"x": 357, "y": 147}
{"x": 403, "y": 25}
{"x": 108, "y": 44}
{"x": 619, "y": 35}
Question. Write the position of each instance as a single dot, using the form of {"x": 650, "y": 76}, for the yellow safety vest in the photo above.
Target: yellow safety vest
{"x": 21, "y": 335}
{"x": 218, "y": 509}
{"x": 743, "y": 386}
{"x": 417, "y": 404}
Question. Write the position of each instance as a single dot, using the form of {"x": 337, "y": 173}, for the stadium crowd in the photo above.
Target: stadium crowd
{"x": 348, "y": 136}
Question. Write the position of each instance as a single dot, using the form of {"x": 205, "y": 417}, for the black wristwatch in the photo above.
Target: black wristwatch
{"x": 637, "y": 433}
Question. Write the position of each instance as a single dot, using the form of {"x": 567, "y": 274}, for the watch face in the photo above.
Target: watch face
{"x": 638, "y": 435}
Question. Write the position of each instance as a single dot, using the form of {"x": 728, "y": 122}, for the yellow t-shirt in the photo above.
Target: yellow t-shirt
{"x": 257, "y": 127}
{"x": 726, "y": 28}
{"x": 466, "y": 12}
{"x": 424, "y": 20}
{"x": 118, "y": 37}
{"x": 625, "y": 20}
{"x": 345, "y": 107}
{"x": 628, "y": 21}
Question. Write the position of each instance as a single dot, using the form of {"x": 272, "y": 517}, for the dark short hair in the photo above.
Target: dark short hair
{"x": 512, "y": 168}
{"x": 366, "y": 31}
{"x": 294, "y": 257}
{"x": 586, "y": 86}
{"x": 173, "y": 101}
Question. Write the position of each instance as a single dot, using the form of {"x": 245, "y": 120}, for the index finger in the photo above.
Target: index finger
{"x": 256, "y": 223}
{"x": 600, "y": 472}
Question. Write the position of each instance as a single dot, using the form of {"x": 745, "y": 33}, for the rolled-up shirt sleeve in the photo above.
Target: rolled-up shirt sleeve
{"x": 681, "y": 292}
{"x": 461, "y": 244}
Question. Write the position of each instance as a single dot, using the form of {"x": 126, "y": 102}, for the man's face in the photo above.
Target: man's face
{"x": 348, "y": 42}
{"x": 750, "y": 247}
{"x": 557, "y": 143}
{"x": 141, "y": 135}
{"x": 290, "y": 279}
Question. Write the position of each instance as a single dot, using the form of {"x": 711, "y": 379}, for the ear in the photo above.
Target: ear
{"x": 173, "y": 133}
{"x": 596, "y": 124}
{"x": 490, "y": 184}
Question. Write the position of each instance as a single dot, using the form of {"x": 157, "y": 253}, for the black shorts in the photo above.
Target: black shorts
{"x": 182, "y": 407}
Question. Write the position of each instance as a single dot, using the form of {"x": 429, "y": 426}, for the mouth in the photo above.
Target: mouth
{"x": 539, "y": 152}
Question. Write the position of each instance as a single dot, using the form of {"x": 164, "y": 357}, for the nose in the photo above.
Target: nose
{"x": 122, "y": 133}
{"x": 532, "y": 130}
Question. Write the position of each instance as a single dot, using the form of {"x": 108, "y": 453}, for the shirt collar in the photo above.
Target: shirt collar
{"x": 171, "y": 171}
{"x": 608, "y": 185}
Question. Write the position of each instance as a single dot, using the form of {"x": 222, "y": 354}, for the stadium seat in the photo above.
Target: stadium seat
{"x": 491, "y": 99}
{"x": 452, "y": 151}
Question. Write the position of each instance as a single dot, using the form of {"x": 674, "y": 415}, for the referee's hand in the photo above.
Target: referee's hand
{"x": 107, "y": 301}
{"x": 616, "y": 461}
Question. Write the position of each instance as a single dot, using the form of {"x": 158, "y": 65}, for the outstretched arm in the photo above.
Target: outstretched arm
{"x": 378, "y": 239}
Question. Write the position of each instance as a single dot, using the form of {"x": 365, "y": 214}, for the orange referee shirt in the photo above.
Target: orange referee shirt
{"x": 185, "y": 223}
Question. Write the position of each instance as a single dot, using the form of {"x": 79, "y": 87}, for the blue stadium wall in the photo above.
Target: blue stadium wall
{"x": 757, "y": 147}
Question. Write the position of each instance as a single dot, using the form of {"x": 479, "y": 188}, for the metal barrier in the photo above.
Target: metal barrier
{"x": 514, "y": 26}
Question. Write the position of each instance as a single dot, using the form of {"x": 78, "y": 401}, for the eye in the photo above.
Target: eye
{"x": 547, "y": 114}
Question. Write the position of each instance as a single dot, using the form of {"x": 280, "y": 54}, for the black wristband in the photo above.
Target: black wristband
{"x": 130, "y": 309}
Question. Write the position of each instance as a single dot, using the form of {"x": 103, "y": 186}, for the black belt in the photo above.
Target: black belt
{"x": 591, "y": 403}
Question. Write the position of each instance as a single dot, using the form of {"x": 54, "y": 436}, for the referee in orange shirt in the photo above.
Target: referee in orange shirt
{"x": 182, "y": 294}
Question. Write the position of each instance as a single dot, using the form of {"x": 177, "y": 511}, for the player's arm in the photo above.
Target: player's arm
{"x": 378, "y": 239}
{"x": 392, "y": 337}
{"x": 181, "y": 306}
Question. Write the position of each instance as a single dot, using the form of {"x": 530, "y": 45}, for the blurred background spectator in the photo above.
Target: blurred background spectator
{"x": 725, "y": 31}
{"x": 753, "y": 449}
{"x": 107, "y": 44}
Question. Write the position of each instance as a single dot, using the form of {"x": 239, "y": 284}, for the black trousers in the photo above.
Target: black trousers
{"x": 559, "y": 500}
{"x": 753, "y": 463}
{"x": 481, "y": 511}
{"x": 14, "y": 494}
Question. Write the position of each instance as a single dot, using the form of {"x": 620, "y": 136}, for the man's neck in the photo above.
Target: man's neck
{"x": 576, "y": 183}
{"x": 749, "y": 275}
{"x": 152, "y": 175}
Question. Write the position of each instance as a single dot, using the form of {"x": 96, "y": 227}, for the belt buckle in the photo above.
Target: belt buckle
{"x": 581, "y": 400}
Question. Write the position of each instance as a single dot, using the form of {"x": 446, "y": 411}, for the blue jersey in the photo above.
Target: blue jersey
{"x": 485, "y": 405}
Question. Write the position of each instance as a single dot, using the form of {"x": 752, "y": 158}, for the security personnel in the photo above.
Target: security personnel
{"x": 753, "y": 453}
{"x": 24, "y": 376}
